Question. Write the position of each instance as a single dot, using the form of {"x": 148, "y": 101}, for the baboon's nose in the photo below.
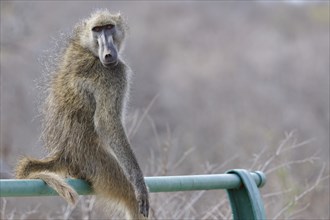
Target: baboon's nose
{"x": 108, "y": 56}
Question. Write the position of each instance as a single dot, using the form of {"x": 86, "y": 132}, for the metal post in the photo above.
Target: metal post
{"x": 24, "y": 187}
{"x": 245, "y": 200}
{"x": 241, "y": 187}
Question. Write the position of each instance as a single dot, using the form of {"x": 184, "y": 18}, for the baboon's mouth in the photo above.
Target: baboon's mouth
{"x": 110, "y": 64}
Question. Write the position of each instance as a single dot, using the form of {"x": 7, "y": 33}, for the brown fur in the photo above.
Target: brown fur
{"x": 83, "y": 124}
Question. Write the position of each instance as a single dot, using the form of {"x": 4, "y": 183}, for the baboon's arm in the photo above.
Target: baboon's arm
{"x": 109, "y": 127}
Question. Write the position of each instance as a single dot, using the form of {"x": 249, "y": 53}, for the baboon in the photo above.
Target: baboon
{"x": 83, "y": 119}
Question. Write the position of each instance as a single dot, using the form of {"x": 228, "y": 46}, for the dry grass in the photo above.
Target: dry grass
{"x": 283, "y": 197}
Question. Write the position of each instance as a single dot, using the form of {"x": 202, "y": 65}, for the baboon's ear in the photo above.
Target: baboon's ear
{"x": 80, "y": 26}
{"x": 118, "y": 16}
{"x": 121, "y": 21}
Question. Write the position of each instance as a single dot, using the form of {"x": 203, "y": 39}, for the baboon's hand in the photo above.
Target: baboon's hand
{"x": 143, "y": 200}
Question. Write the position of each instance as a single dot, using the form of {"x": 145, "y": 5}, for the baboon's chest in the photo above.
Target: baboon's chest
{"x": 112, "y": 83}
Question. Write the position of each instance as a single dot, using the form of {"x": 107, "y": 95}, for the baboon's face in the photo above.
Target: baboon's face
{"x": 103, "y": 34}
{"x": 107, "y": 50}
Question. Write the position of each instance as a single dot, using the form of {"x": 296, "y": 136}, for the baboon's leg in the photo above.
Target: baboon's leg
{"x": 113, "y": 184}
{"x": 45, "y": 169}
{"x": 29, "y": 165}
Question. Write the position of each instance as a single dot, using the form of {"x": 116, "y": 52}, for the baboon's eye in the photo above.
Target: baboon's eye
{"x": 96, "y": 29}
{"x": 109, "y": 26}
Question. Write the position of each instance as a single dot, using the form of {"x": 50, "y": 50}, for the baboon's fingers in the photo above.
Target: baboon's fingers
{"x": 144, "y": 206}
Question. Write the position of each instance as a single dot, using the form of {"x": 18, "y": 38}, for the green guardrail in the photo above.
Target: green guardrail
{"x": 241, "y": 186}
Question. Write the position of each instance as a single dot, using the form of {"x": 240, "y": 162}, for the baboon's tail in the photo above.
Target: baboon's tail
{"x": 58, "y": 184}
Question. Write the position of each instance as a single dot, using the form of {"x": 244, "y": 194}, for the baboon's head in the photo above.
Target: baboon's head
{"x": 103, "y": 34}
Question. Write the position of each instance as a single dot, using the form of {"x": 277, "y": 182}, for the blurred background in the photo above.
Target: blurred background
{"x": 217, "y": 85}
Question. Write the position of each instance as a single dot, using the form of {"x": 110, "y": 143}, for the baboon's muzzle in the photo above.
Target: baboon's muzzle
{"x": 107, "y": 50}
